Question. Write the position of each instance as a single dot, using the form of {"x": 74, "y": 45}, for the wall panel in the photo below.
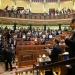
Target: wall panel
{"x": 51, "y": 5}
{"x": 67, "y": 4}
{"x": 4, "y": 3}
{"x": 0, "y": 4}
{"x": 24, "y": 4}
{"x": 37, "y": 7}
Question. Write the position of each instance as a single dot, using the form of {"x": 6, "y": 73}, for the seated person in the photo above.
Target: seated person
{"x": 50, "y": 36}
{"x": 24, "y": 36}
{"x": 31, "y": 42}
{"x": 35, "y": 39}
{"x": 19, "y": 35}
{"x": 43, "y": 41}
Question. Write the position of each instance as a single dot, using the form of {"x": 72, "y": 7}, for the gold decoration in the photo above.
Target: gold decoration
{"x": 56, "y": 70}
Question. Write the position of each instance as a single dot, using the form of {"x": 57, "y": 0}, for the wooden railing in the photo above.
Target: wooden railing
{"x": 31, "y": 72}
{"x": 35, "y": 16}
{"x": 37, "y": 19}
{"x": 40, "y": 70}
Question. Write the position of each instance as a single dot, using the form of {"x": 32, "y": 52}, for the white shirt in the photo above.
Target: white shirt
{"x": 24, "y": 36}
{"x": 35, "y": 39}
{"x": 43, "y": 36}
{"x": 22, "y": 12}
{"x": 50, "y": 36}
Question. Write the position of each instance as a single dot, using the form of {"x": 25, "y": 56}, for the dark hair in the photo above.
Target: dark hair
{"x": 56, "y": 41}
{"x": 73, "y": 20}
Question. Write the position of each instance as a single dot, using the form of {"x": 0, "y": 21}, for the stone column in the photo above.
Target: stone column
{"x": 14, "y": 2}
{"x": 44, "y": 6}
{"x": 59, "y": 5}
{"x": 73, "y": 5}
{"x": 73, "y": 2}
{"x": 30, "y": 27}
{"x": 60, "y": 27}
{"x": 30, "y": 4}
{"x": 45, "y": 27}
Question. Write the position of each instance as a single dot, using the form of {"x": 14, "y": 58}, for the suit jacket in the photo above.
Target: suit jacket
{"x": 8, "y": 55}
{"x": 54, "y": 54}
{"x": 71, "y": 45}
{"x": 43, "y": 41}
{"x": 47, "y": 38}
{"x": 11, "y": 41}
{"x": 28, "y": 38}
{"x": 12, "y": 49}
{"x": 19, "y": 36}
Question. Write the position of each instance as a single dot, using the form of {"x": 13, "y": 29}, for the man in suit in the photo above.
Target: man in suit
{"x": 10, "y": 41}
{"x": 55, "y": 52}
{"x": 43, "y": 41}
{"x": 47, "y": 37}
{"x": 20, "y": 35}
{"x": 13, "y": 50}
{"x": 70, "y": 42}
{"x": 8, "y": 59}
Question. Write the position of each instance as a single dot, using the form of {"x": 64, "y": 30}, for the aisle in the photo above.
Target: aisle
{"x": 3, "y": 72}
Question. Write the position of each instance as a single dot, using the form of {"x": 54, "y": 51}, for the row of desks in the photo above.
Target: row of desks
{"x": 27, "y": 54}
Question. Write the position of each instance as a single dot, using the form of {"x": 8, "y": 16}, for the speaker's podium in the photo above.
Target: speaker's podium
{"x": 48, "y": 71}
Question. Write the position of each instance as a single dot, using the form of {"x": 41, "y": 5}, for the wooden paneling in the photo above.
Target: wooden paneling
{"x": 62, "y": 16}
{"x": 49, "y": 19}
{"x": 66, "y": 16}
{"x": 12, "y": 15}
{"x": 28, "y": 57}
{"x": 18, "y": 15}
{"x": 33, "y": 16}
{"x": 42, "y": 17}
{"x": 27, "y": 16}
{"x": 23, "y": 16}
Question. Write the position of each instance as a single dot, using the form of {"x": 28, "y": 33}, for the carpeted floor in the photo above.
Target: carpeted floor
{"x": 3, "y": 72}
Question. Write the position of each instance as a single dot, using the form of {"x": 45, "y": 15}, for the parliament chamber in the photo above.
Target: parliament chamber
{"x": 28, "y": 29}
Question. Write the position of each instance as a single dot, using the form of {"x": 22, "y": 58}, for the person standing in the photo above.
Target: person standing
{"x": 53, "y": 54}
{"x": 8, "y": 59}
{"x": 70, "y": 42}
{"x": 13, "y": 50}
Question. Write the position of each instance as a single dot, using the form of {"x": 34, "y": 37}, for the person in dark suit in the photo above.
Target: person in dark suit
{"x": 47, "y": 37}
{"x": 19, "y": 35}
{"x": 43, "y": 41}
{"x": 13, "y": 50}
{"x": 10, "y": 41}
{"x": 8, "y": 59}
{"x": 55, "y": 52}
{"x": 70, "y": 42}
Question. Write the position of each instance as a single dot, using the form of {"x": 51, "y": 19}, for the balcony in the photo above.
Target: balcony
{"x": 37, "y": 19}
